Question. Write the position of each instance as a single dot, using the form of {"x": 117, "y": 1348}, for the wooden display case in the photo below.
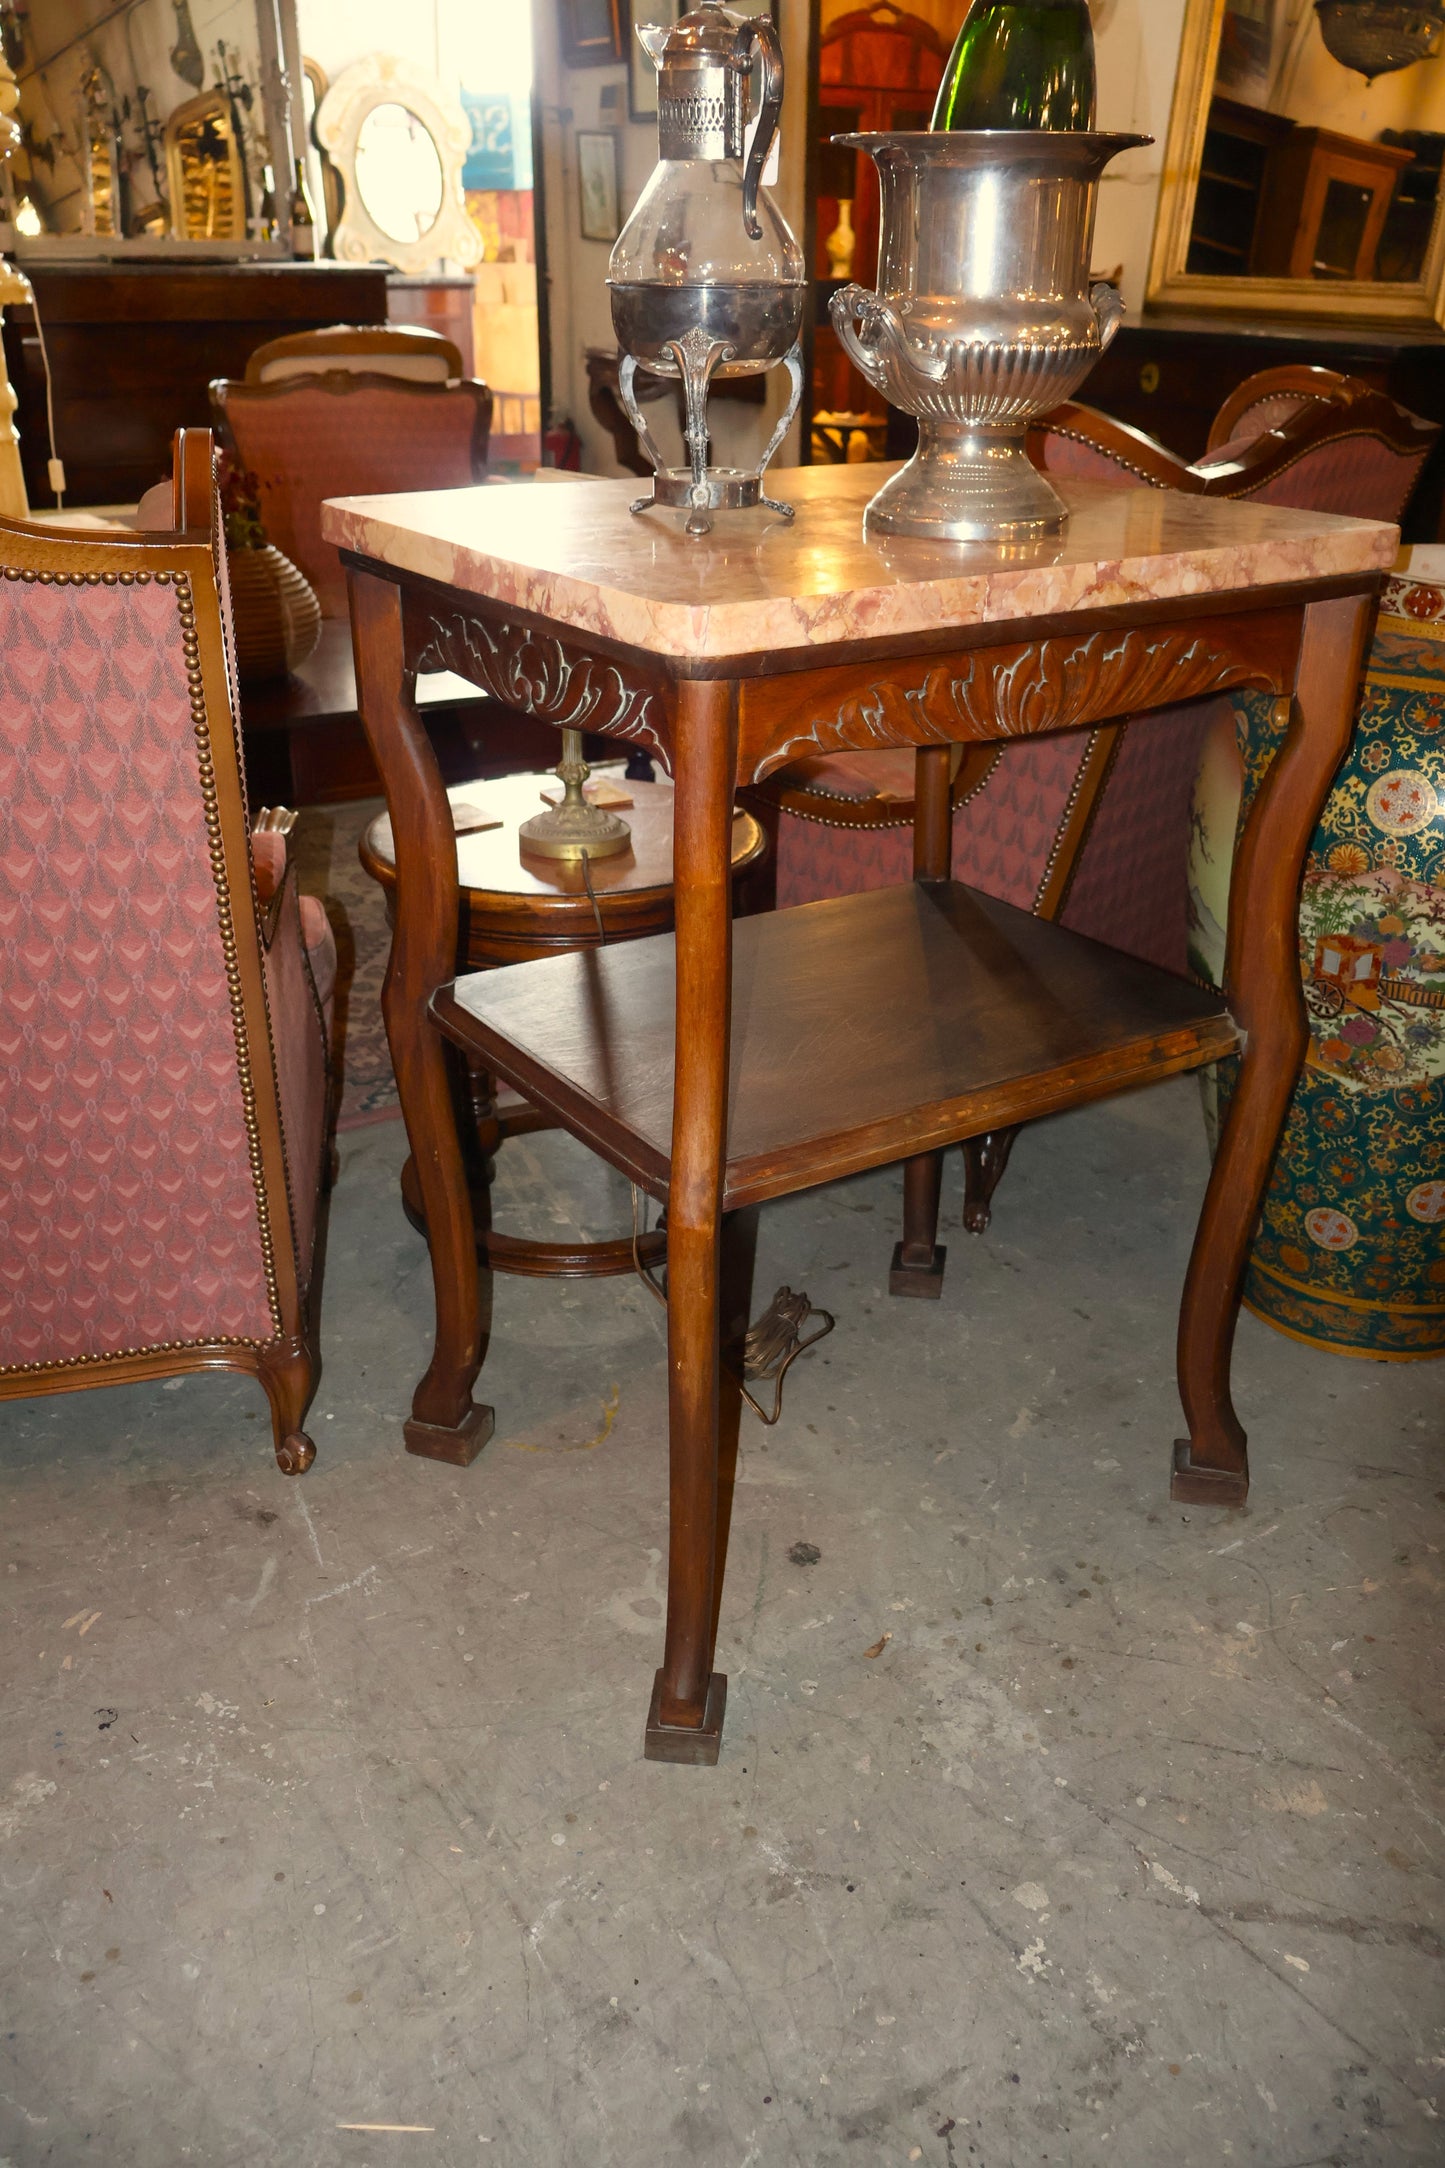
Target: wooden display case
{"x": 1325, "y": 202}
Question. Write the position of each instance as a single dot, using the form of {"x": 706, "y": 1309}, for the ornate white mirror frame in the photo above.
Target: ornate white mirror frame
{"x": 381, "y": 80}
{"x": 1420, "y": 301}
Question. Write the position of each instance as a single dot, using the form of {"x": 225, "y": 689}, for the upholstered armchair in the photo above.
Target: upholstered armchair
{"x": 164, "y": 992}
{"x": 347, "y": 433}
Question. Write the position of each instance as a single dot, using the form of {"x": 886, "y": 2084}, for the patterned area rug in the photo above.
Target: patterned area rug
{"x": 325, "y": 842}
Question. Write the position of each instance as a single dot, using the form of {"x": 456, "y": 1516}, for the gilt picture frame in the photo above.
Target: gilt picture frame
{"x": 1420, "y": 302}
{"x": 598, "y": 189}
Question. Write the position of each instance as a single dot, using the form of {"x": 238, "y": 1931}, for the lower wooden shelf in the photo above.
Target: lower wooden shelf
{"x": 864, "y": 1029}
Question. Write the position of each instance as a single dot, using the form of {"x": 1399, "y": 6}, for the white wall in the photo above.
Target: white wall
{"x": 1137, "y": 42}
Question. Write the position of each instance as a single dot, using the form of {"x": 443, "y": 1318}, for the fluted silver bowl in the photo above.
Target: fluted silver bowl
{"x": 984, "y": 317}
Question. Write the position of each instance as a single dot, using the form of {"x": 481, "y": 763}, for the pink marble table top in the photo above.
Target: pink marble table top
{"x": 758, "y": 584}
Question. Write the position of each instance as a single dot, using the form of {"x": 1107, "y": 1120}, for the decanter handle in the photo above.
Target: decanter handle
{"x": 758, "y": 34}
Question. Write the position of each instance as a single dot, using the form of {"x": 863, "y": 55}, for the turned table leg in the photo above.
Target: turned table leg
{"x": 1262, "y": 982}
{"x": 684, "y": 1723}
{"x": 445, "y": 1422}
{"x": 918, "y": 1261}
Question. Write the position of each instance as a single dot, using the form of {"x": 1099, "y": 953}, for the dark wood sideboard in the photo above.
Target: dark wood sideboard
{"x": 133, "y": 347}
{"x": 1169, "y": 375}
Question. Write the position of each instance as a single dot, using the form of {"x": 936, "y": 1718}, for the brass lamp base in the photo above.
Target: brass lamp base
{"x": 574, "y": 829}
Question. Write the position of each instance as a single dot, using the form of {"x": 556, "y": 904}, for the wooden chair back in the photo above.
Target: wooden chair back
{"x": 1323, "y": 443}
{"x": 347, "y": 434}
{"x": 1345, "y": 447}
{"x": 1271, "y": 397}
{"x": 409, "y": 351}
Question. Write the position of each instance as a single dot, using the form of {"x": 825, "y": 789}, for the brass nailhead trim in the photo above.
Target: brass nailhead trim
{"x": 186, "y": 610}
{"x": 125, "y": 1354}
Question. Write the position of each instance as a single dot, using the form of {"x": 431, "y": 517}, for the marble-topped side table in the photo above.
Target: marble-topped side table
{"x": 727, "y": 1064}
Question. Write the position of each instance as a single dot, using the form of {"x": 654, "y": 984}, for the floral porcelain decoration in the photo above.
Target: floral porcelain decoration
{"x": 1350, "y": 1252}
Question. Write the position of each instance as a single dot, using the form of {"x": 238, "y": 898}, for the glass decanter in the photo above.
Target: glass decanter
{"x": 706, "y": 278}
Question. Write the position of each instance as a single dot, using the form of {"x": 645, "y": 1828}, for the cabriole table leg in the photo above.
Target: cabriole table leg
{"x": 1262, "y": 978}
{"x": 445, "y": 1422}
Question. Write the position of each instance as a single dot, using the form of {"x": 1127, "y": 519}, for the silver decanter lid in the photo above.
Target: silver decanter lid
{"x": 702, "y": 98}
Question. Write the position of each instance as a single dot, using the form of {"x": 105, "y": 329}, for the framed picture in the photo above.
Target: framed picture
{"x": 597, "y": 183}
{"x": 592, "y": 32}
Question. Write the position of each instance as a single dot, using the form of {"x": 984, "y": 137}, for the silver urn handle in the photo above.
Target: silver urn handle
{"x": 1108, "y": 304}
{"x": 891, "y": 358}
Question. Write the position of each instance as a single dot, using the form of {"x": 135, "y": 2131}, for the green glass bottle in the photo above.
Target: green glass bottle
{"x": 1020, "y": 64}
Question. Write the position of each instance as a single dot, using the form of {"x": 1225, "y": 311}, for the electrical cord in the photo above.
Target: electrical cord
{"x": 592, "y": 899}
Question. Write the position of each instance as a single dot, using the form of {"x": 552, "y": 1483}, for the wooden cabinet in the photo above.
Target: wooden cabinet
{"x": 877, "y": 68}
{"x": 1275, "y": 200}
{"x": 1232, "y": 170}
{"x": 1325, "y": 202}
{"x": 133, "y": 347}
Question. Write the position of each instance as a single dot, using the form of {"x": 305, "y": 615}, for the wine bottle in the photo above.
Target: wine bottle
{"x": 268, "y": 219}
{"x": 300, "y": 218}
{"x": 1020, "y": 64}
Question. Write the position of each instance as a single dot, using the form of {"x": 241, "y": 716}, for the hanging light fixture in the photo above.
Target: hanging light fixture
{"x": 1375, "y": 37}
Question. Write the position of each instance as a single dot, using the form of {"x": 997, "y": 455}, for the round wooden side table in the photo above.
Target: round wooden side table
{"x": 516, "y": 908}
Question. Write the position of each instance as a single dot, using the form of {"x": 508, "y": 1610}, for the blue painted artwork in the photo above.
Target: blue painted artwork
{"x": 500, "y": 152}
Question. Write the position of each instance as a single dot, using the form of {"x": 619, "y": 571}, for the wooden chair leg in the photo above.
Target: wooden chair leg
{"x": 984, "y": 1161}
{"x": 918, "y": 1261}
{"x": 1262, "y": 980}
{"x": 289, "y": 1371}
{"x": 684, "y": 1723}
{"x": 445, "y": 1422}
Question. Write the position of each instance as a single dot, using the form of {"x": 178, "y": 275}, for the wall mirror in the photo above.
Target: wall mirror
{"x": 207, "y": 179}
{"x": 1296, "y": 183}
{"x": 398, "y": 144}
{"x": 398, "y": 172}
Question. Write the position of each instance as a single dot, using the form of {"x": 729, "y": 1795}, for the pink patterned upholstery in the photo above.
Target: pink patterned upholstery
{"x": 309, "y": 438}
{"x": 1074, "y": 459}
{"x": 1131, "y": 881}
{"x": 300, "y": 970}
{"x": 1359, "y": 475}
{"x": 128, "y": 1214}
{"x": 815, "y": 860}
{"x": 300, "y": 980}
{"x": 1002, "y": 834}
{"x": 1271, "y": 411}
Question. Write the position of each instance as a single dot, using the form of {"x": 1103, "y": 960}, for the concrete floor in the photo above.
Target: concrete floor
{"x": 321, "y": 1802}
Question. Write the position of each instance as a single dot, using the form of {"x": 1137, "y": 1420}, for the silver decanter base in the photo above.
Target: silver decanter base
{"x": 964, "y": 486}
{"x": 698, "y": 489}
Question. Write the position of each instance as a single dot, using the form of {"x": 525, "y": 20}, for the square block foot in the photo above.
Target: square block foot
{"x": 924, "y": 1281}
{"x": 698, "y": 1745}
{"x": 1196, "y": 1486}
{"x": 433, "y": 1441}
